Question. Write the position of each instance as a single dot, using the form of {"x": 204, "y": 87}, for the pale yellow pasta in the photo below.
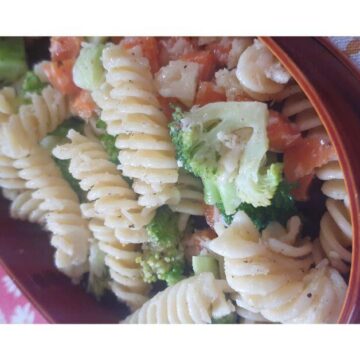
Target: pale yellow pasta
{"x": 191, "y": 195}
{"x": 260, "y": 74}
{"x": 125, "y": 274}
{"x": 7, "y": 103}
{"x": 24, "y": 206}
{"x": 195, "y": 300}
{"x": 114, "y": 200}
{"x": 69, "y": 231}
{"x": 129, "y": 106}
{"x": 335, "y": 226}
{"x": 23, "y": 130}
{"x": 281, "y": 288}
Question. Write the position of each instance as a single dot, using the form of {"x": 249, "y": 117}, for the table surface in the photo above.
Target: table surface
{"x": 15, "y": 307}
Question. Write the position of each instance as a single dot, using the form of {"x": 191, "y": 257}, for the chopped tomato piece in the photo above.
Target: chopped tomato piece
{"x": 64, "y": 47}
{"x": 281, "y": 132}
{"x": 116, "y": 39}
{"x": 300, "y": 193}
{"x": 209, "y": 93}
{"x": 173, "y": 48}
{"x": 210, "y": 213}
{"x": 205, "y": 59}
{"x": 82, "y": 105}
{"x": 166, "y": 102}
{"x": 221, "y": 51}
{"x": 60, "y": 76}
{"x": 305, "y": 155}
{"x": 149, "y": 47}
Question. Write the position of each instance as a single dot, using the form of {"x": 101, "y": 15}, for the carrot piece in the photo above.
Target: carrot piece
{"x": 166, "y": 102}
{"x": 281, "y": 132}
{"x": 205, "y": 59}
{"x": 64, "y": 47}
{"x": 82, "y": 105}
{"x": 60, "y": 76}
{"x": 149, "y": 47}
{"x": 209, "y": 93}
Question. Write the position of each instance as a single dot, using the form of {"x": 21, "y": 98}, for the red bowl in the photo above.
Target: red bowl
{"x": 331, "y": 83}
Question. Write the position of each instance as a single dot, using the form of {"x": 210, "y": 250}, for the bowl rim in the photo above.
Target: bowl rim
{"x": 306, "y": 84}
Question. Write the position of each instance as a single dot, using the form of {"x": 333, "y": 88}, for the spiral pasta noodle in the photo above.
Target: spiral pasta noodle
{"x": 70, "y": 234}
{"x": 114, "y": 200}
{"x": 279, "y": 287}
{"x": 129, "y": 106}
{"x": 191, "y": 301}
{"x": 126, "y": 280}
{"x": 24, "y": 206}
{"x": 7, "y": 103}
{"x": 335, "y": 226}
{"x": 191, "y": 195}
{"x": 23, "y": 130}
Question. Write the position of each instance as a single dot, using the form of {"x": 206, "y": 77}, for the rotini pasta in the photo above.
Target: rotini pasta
{"x": 70, "y": 234}
{"x": 26, "y": 128}
{"x": 7, "y": 103}
{"x": 260, "y": 74}
{"x": 114, "y": 200}
{"x": 132, "y": 113}
{"x": 335, "y": 226}
{"x": 197, "y": 300}
{"x": 279, "y": 287}
{"x": 126, "y": 281}
{"x": 191, "y": 195}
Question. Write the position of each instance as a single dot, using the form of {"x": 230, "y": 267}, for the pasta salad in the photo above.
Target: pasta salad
{"x": 190, "y": 177}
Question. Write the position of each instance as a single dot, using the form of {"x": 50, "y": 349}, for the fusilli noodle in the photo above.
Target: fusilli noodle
{"x": 7, "y": 103}
{"x": 279, "y": 287}
{"x": 126, "y": 280}
{"x": 114, "y": 201}
{"x": 193, "y": 300}
{"x": 63, "y": 219}
{"x": 26, "y": 128}
{"x": 335, "y": 226}
{"x": 191, "y": 195}
{"x": 132, "y": 113}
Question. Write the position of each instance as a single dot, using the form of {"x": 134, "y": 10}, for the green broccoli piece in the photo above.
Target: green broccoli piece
{"x": 282, "y": 208}
{"x": 163, "y": 257}
{"x": 12, "y": 59}
{"x": 225, "y": 144}
{"x": 108, "y": 142}
{"x": 32, "y": 83}
{"x": 227, "y": 319}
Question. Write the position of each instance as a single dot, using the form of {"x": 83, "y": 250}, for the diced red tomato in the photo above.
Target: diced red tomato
{"x": 208, "y": 92}
{"x": 305, "y": 155}
{"x": 300, "y": 193}
{"x": 60, "y": 76}
{"x": 281, "y": 132}
{"x": 206, "y": 60}
{"x": 82, "y": 105}
{"x": 165, "y": 103}
{"x": 173, "y": 48}
{"x": 64, "y": 47}
{"x": 221, "y": 50}
{"x": 149, "y": 47}
{"x": 116, "y": 39}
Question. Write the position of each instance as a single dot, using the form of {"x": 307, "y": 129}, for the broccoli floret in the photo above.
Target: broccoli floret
{"x": 282, "y": 208}
{"x": 12, "y": 59}
{"x": 32, "y": 83}
{"x": 163, "y": 257}
{"x": 108, "y": 142}
{"x": 225, "y": 144}
{"x": 227, "y": 319}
